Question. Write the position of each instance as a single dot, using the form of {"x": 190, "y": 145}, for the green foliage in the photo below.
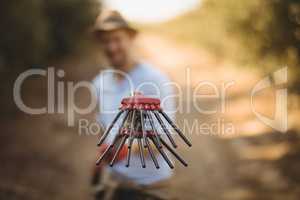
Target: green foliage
{"x": 266, "y": 33}
{"x": 272, "y": 29}
{"x": 36, "y": 31}
{"x": 256, "y": 31}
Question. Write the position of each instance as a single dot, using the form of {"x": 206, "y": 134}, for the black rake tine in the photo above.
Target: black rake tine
{"x": 132, "y": 128}
{"x": 165, "y": 129}
{"x": 173, "y": 152}
{"x": 175, "y": 128}
{"x": 152, "y": 154}
{"x": 143, "y": 128}
{"x": 162, "y": 153}
{"x": 154, "y": 129}
{"x": 118, "y": 150}
{"x": 129, "y": 151}
{"x": 123, "y": 122}
{"x": 109, "y": 128}
{"x": 103, "y": 155}
{"x": 107, "y": 150}
{"x": 114, "y": 141}
{"x": 131, "y": 138}
{"x": 142, "y": 158}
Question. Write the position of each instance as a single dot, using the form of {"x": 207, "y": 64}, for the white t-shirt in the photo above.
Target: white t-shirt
{"x": 151, "y": 82}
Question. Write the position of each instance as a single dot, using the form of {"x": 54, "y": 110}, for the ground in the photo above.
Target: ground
{"x": 43, "y": 158}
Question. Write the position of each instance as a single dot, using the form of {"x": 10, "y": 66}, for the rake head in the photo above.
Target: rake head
{"x": 140, "y": 112}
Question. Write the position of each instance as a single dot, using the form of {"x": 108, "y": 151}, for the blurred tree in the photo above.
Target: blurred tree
{"x": 268, "y": 30}
{"x": 69, "y": 20}
{"x": 24, "y": 32}
{"x": 36, "y": 31}
{"x": 260, "y": 33}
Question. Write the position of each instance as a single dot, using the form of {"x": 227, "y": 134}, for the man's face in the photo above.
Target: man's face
{"x": 117, "y": 46}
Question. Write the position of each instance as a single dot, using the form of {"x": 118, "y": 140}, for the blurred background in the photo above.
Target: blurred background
{"x": 220, "y": 41}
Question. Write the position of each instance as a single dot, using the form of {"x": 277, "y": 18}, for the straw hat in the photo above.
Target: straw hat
{"x": 112, "y": 20}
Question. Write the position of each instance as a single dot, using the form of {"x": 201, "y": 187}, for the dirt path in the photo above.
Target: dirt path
{"x": 41, "y": 158}
{"x": 244, "y": 165}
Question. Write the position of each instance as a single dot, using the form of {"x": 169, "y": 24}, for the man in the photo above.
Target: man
{"x": 126, "y": 75}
